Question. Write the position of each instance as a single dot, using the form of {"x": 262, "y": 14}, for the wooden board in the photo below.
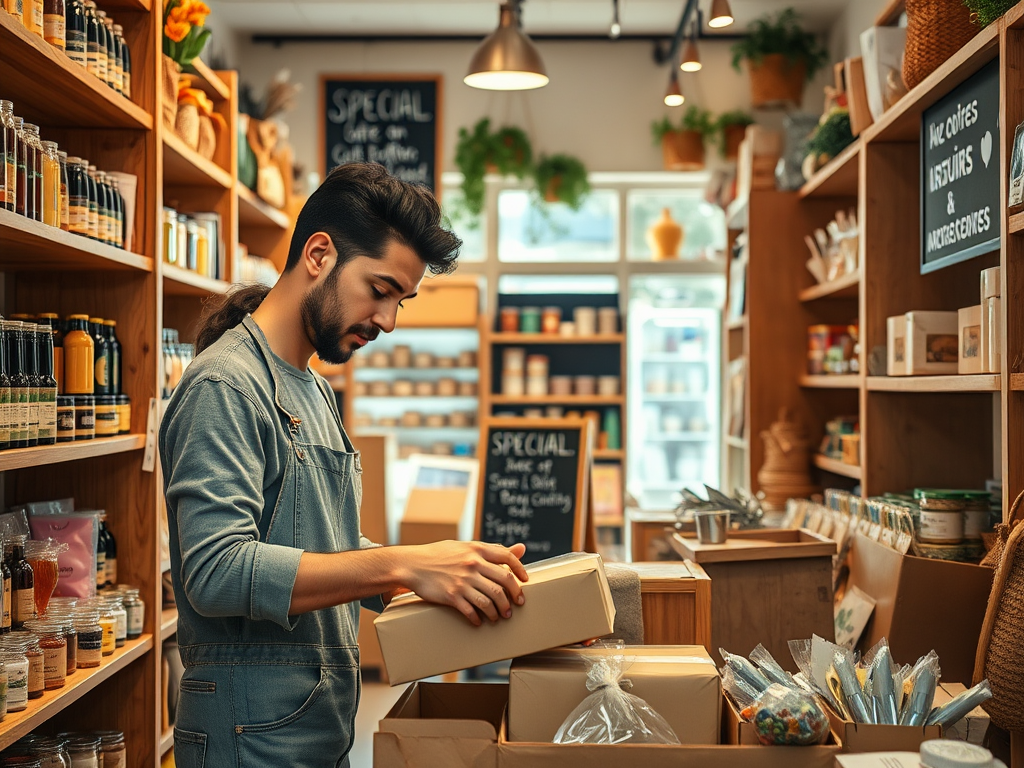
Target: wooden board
{"x": 838, "y": 178}
{"x": 676, "y": 600}
{"x": 799, "y": 544}
{"x": 976, "y": 382}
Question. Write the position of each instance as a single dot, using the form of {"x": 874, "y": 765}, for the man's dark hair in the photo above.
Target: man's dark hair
{"x": 362, "y": 208}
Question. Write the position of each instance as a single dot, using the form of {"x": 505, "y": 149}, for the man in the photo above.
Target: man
{"x": 263, "y": 490}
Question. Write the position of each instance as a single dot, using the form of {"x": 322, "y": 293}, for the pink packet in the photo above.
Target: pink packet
{"x": 77, "y": 565}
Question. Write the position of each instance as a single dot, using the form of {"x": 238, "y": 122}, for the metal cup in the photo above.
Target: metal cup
{"x": 712, "y": 527}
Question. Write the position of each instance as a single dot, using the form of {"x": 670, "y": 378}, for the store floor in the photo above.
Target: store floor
{"x": 376, "y": 702}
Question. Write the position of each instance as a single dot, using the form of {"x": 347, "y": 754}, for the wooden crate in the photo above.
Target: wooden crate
{"x": 676, "y": 600}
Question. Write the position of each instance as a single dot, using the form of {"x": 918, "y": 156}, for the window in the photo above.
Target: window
{"x": 529, "y": 231}
{"x": 472, "y": 229}
{"x": 704, "y": 231}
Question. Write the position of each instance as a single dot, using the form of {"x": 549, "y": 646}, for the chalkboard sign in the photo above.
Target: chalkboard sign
{"x": 393, "y": 120}
{"x": 960, "y": 172}
{"x": 534, "y": 484}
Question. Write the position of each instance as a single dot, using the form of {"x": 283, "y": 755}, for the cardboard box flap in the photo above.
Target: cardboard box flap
{"x": 636, "y": 656}
{"x": 453, "y": 710}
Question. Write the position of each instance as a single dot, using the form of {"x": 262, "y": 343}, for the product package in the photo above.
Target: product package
{"x": 787, "y": 717}
{"x": 567, "y": 601}
{"x": 79, "y": 531}
{"x": 680, "y": 683}
{"x": 932, "y": 343}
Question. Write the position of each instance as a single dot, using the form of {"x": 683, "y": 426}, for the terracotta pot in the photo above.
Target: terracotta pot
{"x": 551, "y": 193}
{"x": 207, "y": 143}
{"x": 665, "y": 237}
{"x": 186, "y": 124}
{"x": 169, "y": 89}
{"x": 774, "y": 82}
{"x": 733, "y": 135}
{"x": 683, "y": 150}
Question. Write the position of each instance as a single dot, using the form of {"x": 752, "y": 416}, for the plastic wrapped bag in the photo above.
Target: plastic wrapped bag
{"x": 741, "y": 693}
{"x": 745, "y": 671}
{"x": 956, "y": 709}
{"x": 770, "y": 668}
{"x": 783, "y": 716}
{"x": 609, "y": 715}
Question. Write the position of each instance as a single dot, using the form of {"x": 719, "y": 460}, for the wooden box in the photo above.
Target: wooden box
{"x": 768, "y": 586}
{"x": 649, "y": 534}
{"x": 443, "y": 302}
{"x": 676, "y": 600}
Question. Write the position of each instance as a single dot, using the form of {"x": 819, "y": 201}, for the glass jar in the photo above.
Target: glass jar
{"x": 529, "y": 320}
{"x": 121, "y": 616}
{"x": 942, "y": 516}
{"x": 181, "y": 239}
{"x": 107, "y": 417}
{"x": 66, "y": 620}
{"x": 16, "y": 666}
{"x": 202, "y": 252}
{"x": 3, "y": 689}
{"x": 50, "y": 751}
{"x": 34, "y": 168}
{"x": 112, "y": 749}
{"x": 170, "y": 240}
{"x": 191, "y": 244}
{"x": 84, "y": 750}
{"x": 55, "y": 652}
{"x": 65, "y": 192}
{"x": 90, "y": 638}
{"x": 65, "y": 419}
{"x": 85, "y": 417}
{"x": 551, "y": 320}
{"x": 51, "y": 184}
{"x": 977, "y": 514}
{"x": 36, "y": 671}
{"x": 108, "y": 621}
{"x": 124, "y": 414}
{"x": 22, "y": 761}
{"x": 136, "y": 610}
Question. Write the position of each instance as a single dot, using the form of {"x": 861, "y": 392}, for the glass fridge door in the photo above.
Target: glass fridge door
{"x": 673, "y": 402}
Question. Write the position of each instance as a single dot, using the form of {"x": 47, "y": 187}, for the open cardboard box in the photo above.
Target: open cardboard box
{"x": 461, "y": 725}
{"x": 922, "y": 604}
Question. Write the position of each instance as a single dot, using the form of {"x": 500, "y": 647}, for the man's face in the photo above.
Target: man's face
{"x": 349, "y": 305}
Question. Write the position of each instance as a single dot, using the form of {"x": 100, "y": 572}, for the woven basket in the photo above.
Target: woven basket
{"x": 1002, "y": 634}
{"x": 775, "y": 82}
{"x": 683, "y": 150}
{"x": 170, "y": 72}
{"x": 936, "y": 29}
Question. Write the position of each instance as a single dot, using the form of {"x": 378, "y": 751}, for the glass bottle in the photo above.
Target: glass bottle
{"x": 96, "y": 40}
{"x": 25, "y": 198}
{"x": 20, "y": 385}
{"x": 17, "y": 676}
{"x": 136, "y": 609}
{"x": 5, "y": 414}
{"x": 202, "y": 252}
{"x": 79, "y": 357}
{"x": 94, "y": 200}
{"x": 51, "y": 184}
{"x": 114, "y": 51}
{"x": 9, "y": 159}
{"x": 51, "y": 321}
{"x": 65, "y": 194}
{"x": 5, "y": 570}
{"x": 23, "y": 603}
{"x": 108, "y": 622}
{"x": 126, "y": 63}
{"x": 76, "y": 36}
{"x": 110, "y": 330}
{"x": 170, "y": 239}
{"x": 32, "y": 16}
{"x": 36, "y": 156}
{"x": 101, "y": 559}
{"x": 78, "y": 198}
{"x": 84, "y": 750}
{"x": 52, "y": 752}
{"x": 102, "y": 355}
{"x": 121, "y": 617}
{"x": 102, "y": 206}
{"x": 54, "y": 23}
{"x": 111, "y": 546}
{"x": 90, "y": 638}
{"x": 119, "y": 226}
{"x": 191, "y": 244}
{"x": 47, "y": 386}
{"x": 181, "y": 240}
{"x": 30, "y": 353}
{"x": 108, "y": 45}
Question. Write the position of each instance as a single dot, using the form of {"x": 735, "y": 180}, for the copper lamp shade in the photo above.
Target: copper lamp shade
{"x": 674, "y": 94}
{"x": 721, "y": 14}
{"x": 506, "y": 60}
{"x": 691, "y": 57}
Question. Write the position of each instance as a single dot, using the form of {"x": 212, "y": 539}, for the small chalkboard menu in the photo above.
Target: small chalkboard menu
{"x": 960, "y": 206}
{"x": 534, "y": 484}
{"x": 393, "y": 120}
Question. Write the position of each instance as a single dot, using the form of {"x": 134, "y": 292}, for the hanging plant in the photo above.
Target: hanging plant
{"x": 561, "y": 178}
{"x": 730, "y": 128}
{"x": 682, "y": 144}
{"x": 479, "y": 151}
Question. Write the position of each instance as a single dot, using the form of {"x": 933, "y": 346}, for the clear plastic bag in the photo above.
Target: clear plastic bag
{"x": 783, "y": 716}
{"x": 610, "y": 715}
{"x": 745, "y": 671}
{"x": 956, "y": 709}
{"x": 925, "y": 678}
{"x": 741, "y": 693}
{"x": 770, "y": 668}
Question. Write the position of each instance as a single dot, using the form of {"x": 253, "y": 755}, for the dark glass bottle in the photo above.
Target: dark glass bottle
{"x": 47, "y": 386}
{"x": 7, "y": 181}
{"x": 96, "y": 40}
{"x": 19, "y": 385}
{"x": 77, "y": 40}
{"x": 111, "y": 549}
{"x": 23, "y": 200}
{"x": 101, "y": 357}
{"x": 23, "y": 604}
{"x": 94, "y": 201}
{"x": 30, "y": 353}
{"x": 119, "y": 226}
{"x": 5, "y": 396}
{"x": 101, "y": 557}
{"x": 51, "y": 321}
{"x": 126, "y": 62}
{"x": 112, "y": 225}
{"x": 78, "y": 198}
{"x": 110, "y": 77}
{"x": 110, "y": 329}
{"x": 5, "y": 573}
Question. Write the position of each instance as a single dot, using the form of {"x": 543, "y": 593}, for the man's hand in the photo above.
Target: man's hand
{"x": 470, "y": 576}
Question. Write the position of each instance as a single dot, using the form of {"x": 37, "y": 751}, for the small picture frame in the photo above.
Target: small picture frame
{"x": 1016, "y": 195}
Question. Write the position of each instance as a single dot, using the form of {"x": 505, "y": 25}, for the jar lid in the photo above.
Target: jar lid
{"x": 106, "y": 400}
{"x": 123, "y": 399}
{"x": 110, "y": 737}
{"x": 65, "y": 401}
{"x": 946, "y": 753}
{"x": 85, "y": 400}
{"x": 531, "y": 310}
{"x": 938, "y": 493}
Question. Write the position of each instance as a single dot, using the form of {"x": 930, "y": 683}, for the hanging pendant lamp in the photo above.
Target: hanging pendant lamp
{"x": 507, "y": 59}
{"x": 721, "y": 14}
{"x": 674, "y": 94}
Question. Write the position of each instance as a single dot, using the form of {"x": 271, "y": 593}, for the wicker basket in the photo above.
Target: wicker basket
{"x": 775, "y": 82}
{"x": 936, "y": 29}
{"x": 683, "y": 150}
{"x": 1002, "y": 634}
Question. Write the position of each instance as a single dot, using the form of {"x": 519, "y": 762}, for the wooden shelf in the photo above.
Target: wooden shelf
{"x": 1016, "y": 223}
{"x": 186, "y": 167}
{"x": 1017, "y": 382}
{"x": 417, "y": 397}
{"x": 902, "y": 121}
{"x": 889, "y": 15}
{"x": 167, "y": 742}
{"x": 736, "y": 323}
{"x": 836, "y": 467}
{"x": 168, "y": 622}
{"x": 557, "y": 399}
{"x": 253, "y": 212}
{"x": 838, "y": 178}
{"x": 981, "y": 382}
{"x": 22, "y": 458}
{"x": 609, "y": 453}
{"x": 736, "y": 442}
{"x": 26, "y": 244}
{"x": 374, "y": 369}
{"x": 209, "y": 82}
{"x": 185, "y": 282}
{"x": 18, "y": 724}
{"x": 843, "y": 381}
{"x": 845, "y": 287}
{"x": 551, "y": 338}
{"x": 49, "y": 88}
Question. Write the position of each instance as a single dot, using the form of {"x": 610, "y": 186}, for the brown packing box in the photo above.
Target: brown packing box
{"x": 679, "y": 682}
{"x": 432, "y": 514}
{"x": 736, "y": 730}
{"x": 567, "y": 601}
{"x": 460, "y": 725}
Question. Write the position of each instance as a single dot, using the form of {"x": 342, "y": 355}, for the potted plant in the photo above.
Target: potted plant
{"x": 781, "y": 57}
{"x": 183, "y": 40}
{"x": 831, "y": 137}
{"x": 731, "y": 127}
{"x": 479, "y": 151}
{"x": 561, "y": 178}
{"x": 682, "y": 146}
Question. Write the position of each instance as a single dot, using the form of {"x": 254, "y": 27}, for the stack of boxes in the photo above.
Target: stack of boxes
{"x": 980, "y": 329}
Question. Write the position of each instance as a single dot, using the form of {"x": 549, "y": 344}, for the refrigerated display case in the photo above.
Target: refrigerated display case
{"x": 674, "y": 388}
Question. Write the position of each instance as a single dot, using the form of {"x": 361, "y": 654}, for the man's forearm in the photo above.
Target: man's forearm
{"x": 325, "y": 580}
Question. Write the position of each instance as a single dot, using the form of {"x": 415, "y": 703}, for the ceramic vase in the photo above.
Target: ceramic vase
{"x": 665, "y": 237}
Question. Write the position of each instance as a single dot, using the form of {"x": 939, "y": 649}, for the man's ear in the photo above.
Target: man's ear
{"x": 318, "y": 254}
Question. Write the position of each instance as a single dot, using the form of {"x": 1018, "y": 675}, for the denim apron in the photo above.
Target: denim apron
{"x": 274, "y": 697}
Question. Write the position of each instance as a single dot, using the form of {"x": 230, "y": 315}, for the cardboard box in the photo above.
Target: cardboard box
{"x": 680, "y": 682}
{"x": 567, "y": 601}
{"x": 969, "y": 355}
{"x": 432, "y": 514}
{"x": 991, "y": 335}
{"x": 896, "y": 345}
{"x": 449, "y": 301}
{"x": 973, "y": 726}
{"x": 932, "y": 344}
{"x": 736, "y": 730}
{"x": 859, "y": 737}
{"x": 459, "y": 725}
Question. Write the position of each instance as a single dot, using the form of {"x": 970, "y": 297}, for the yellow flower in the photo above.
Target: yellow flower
{"x": 176, "y": 30}
{"x": 178, "y": 15}
{"x": 197, "y": 12}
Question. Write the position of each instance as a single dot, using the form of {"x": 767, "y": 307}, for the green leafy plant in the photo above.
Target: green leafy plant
{"x": 780, "y": 34}
{"x": 660, "y": 127}
{"x": 698, "y": 120}
{"x": 736, "y": 118}
{"x": 479, "y": 150}
{"x": 563, "y": 178}
{"x": 511, "y": 152}
{"x": 832, "y": 136}
{"x": 185, "y": 33}
{"x": 984, "y": 12}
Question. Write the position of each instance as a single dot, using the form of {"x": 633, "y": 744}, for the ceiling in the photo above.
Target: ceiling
{"x": 479, "y": 17}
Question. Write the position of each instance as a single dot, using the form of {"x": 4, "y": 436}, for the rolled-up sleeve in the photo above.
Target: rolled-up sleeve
{"x": 214, "y": 458}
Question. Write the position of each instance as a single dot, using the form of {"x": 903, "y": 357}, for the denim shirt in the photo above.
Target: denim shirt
{"x": 248, "y": 489}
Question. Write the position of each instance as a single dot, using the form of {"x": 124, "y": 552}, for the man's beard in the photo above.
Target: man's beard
{"x": 324, "y": 324}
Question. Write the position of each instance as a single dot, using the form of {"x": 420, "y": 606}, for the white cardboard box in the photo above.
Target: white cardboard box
{"x": 882, "y": 51}
{"x": 896, "y": 346}
{"x": 972, "y": 340}
{"x": 932, "y": 344}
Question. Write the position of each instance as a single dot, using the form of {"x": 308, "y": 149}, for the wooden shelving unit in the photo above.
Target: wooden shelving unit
{"x": 254, "y": 212}
{"x": 185, "y": 282}
{"x": 982, "y": 382}
{"x": 836, "y": 467}
{"x": 736, "y": 323}
{"x": 830, "y": 381}
{"x": 30, "y": 245}
{"x": 838, "y": 178}
{"x": 551, "y": 338}
{"x": 45, "y": 455}
{"x": 1017, "y": 382}
{"x": 568, "y": 400}
{"x": 166, "y": 741}
{"x": 845, "y": 287}
{"x": 168, "y": 623}
{"x": 1016, "y": 223}
{"x": 186, "y": 167}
